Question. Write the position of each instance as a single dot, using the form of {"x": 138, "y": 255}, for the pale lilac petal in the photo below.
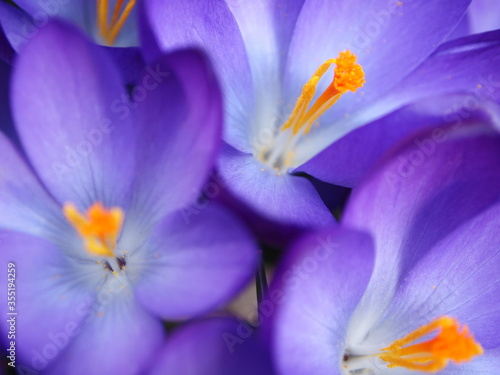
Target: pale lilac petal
{"x": 484, "y": 15}
{"x": 413, "y": 200}
{"x": 51, "y": 298}
{"x": 319, "y": 286}
{"x": 179, "y": 124}
{"x": 118, "y": 337}
{"x": 192, "y": 264}
{"x": 17, "y": 26}
{"x": 210, "y": 26}
{"x": 25, "y": 205}
{"x": 284, "y": 198}
{"x": 65, "y": 93}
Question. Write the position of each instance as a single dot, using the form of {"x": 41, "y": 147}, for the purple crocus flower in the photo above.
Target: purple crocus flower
{"x": 266, "y": 52}
{"x": 216, "y": 346}
{"x": 107, "y": 22}
{"x": 416, "y": 259}
{"x": 89, "y": 206}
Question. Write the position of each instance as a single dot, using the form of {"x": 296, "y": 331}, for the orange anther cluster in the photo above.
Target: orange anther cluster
{"x": 99, "y": 227}
{"x": 348, "y": 76}
{"x": 452, "y": 343}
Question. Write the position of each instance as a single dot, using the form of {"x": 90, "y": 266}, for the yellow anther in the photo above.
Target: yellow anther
{"x": 452, "y": 343}
{"x": 109, "y": 31}
{"x": 348, "y": 76}
{"x": 99, "y": 228}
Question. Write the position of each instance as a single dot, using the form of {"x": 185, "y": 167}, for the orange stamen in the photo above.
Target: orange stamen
{"x": 99, "y": 227}
{"x": 452, "y": 343}
{"x": 348, "y": 76}
{"x": 116, "y": 28}
{"x": 102, "y": 17}
{"x": 109, "y": 32}
{"x": 116, "y": 11}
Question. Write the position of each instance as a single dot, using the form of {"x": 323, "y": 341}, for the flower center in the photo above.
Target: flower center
{"x": 348, "y": 76}
{"x": 451, "y": 343}
{"x": 109, "y": 29}
{"x": 99, "y": 227}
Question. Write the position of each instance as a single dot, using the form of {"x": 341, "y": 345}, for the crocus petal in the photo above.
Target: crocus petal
{"x": 413, "y": 200}
{"x": 267, "y": 230}
{"x": 46, "y": 290}
{"x": 194, "y": 263}
{"x": 208, "y": 25}
{"x": 463, "y": 29}
{"x": 374, "y": 31}
{"x": 25, "y": 205}
{"x": 180, "y": 132}
{"x": 17, "y": 25}
{"x": 457, "y": 277}
{"x": 483, "y": 16}
{"x": 129, "y": 61}
{"x": 350, "y": 158}
{"x": 286, "y": 14}
{"x": 266, "y": 45}
{"x": 485, "y": 364}
{"x": 119, "y": 339}
{"x": 266, "y": 48}
{"x": 65, "y": 99}
{"x": 282, "y": 198}
{"x": 321, "y": 283}
{"x": 468, "y": 64}
{"x": 219, "y": 349}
